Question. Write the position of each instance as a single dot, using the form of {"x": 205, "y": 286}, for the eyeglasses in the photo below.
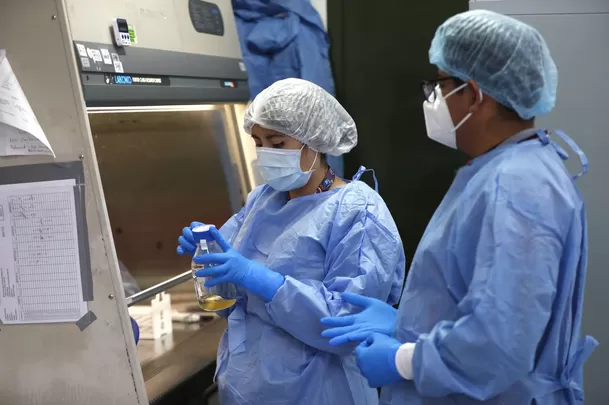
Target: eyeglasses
{"x": 429, "y": 87}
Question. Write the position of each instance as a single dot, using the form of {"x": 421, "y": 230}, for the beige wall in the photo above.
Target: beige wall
{"x": 320, "y": 6}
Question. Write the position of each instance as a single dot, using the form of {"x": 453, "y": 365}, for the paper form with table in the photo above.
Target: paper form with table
{"x": 20, "y": 132}
{"x": 39, "y": 254}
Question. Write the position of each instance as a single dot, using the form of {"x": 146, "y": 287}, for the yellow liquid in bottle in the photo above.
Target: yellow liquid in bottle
{"x": 215, "y": 303}
{"x": 207, "y": 301}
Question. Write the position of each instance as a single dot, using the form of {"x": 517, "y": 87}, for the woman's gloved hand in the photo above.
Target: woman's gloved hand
{"x": 186, "y": 242}
{"x": 136, "y": 330}
{"x": 231, "y": 267}
{"x": 375, "y": 358}
{"x": 377, "y": 317}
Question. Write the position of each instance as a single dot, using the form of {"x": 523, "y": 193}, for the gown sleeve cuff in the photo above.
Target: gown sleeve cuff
{"x": 403, "y": 360}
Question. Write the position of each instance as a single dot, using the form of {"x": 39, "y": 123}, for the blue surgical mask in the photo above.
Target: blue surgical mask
{"x": 280, "y": 168}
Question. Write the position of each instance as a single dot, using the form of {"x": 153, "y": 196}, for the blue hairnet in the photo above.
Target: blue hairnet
{"x": 508, "y": 59}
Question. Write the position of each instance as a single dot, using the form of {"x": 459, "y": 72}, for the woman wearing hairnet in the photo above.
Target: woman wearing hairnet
{"x": 301, "y": 240}
{"x": 492, "y": 308}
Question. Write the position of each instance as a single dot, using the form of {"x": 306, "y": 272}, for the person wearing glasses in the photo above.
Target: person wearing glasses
{"x": 301, "y": 240}
{"x": 492, "y": 308}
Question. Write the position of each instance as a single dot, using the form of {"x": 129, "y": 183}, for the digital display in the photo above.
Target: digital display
{"x": 120, "y": 79}
{"x": 228, "y": 83}
{"x": 122, "y": 25}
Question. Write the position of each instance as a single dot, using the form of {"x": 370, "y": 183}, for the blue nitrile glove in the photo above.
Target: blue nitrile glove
{"x": 136, "y": 330}
{"x": 377, "y": 317}
{"x": 231, "y": 267}
{"x": 376, "y": 360}
{"x": 186, "y": 242}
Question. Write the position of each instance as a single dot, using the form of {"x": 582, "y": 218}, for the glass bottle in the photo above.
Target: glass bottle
{"x": 214, "y": 298}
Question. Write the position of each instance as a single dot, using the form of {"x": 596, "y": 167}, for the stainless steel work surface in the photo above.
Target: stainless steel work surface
{"x": 169, "y": 362}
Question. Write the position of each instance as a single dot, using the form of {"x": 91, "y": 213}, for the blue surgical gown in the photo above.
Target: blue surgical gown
{"x": 494, "y": 296}
{"x": 281, "y": 39}
{"x": 340, "y": 240}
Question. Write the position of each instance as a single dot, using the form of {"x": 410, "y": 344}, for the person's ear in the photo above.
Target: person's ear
{"x": 308, "y": 159}
{"x": 477, "y": 97}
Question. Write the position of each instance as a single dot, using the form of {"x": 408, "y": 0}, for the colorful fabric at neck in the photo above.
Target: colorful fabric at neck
{"x": 327, "y": 182}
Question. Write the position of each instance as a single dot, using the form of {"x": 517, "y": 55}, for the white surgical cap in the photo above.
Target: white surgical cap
{"x": 508, "y": 59}
{"x": 306, "y": 112}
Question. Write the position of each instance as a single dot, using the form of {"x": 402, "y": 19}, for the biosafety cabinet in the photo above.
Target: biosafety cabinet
{"x": 577, "y": 32}
{"x": 165, "y": 115}
{"x": 142, "y": 102}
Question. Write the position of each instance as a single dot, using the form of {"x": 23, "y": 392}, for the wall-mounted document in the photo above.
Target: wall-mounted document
{"x": 20, "y": 132}
{"x": 40, "y": 277}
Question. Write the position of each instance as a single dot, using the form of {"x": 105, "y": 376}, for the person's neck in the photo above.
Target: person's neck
{"x": 317, "y": 177}
{"x": 497, "y": 133}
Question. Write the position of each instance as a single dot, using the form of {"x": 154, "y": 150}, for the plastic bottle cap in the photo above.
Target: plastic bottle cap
{"x": 202, "y": 232}
{"x": 202, "y": 228}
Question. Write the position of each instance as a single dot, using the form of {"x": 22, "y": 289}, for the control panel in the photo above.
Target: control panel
{"x": 206, "y": 17}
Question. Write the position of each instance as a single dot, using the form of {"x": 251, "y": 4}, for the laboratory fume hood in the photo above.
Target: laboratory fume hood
{"x": 165, "y": 90}
{"x": 165, "y": 110}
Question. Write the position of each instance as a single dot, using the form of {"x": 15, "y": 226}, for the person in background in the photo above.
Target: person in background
{"x": 492, "y": 308}
{"x": 301, "y": 240}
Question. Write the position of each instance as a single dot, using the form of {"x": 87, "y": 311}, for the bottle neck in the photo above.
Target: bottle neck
{"x": 203, "y": 246}
{"x": 211, "y": 246}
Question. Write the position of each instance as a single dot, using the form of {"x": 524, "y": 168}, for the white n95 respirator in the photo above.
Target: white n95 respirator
{"x": 439, "y": 123}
